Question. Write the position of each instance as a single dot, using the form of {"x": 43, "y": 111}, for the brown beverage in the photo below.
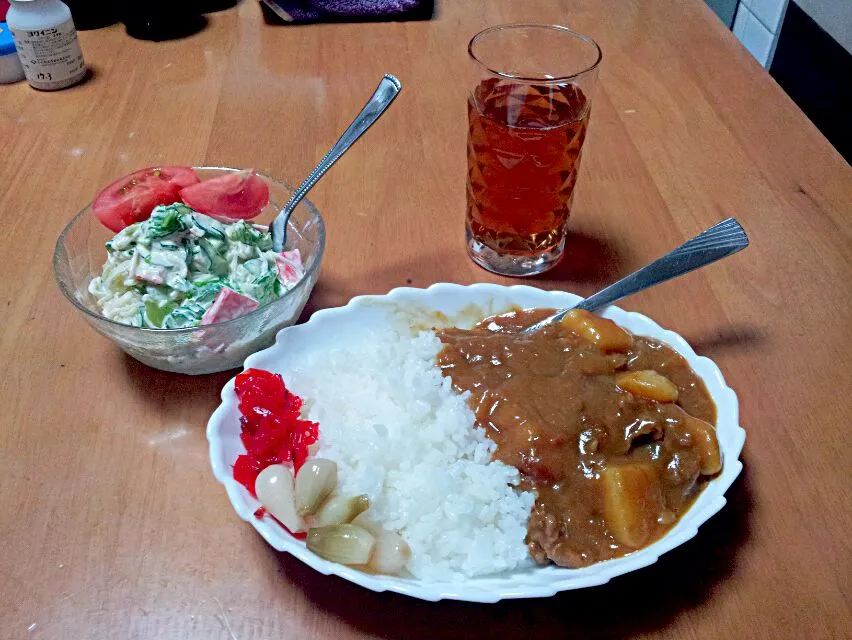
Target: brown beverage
{"x": 523, "y": 154}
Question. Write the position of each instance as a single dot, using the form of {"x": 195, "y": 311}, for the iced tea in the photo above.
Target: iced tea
{"x": 528, "y": 108}
{"x": 523, "y": 153}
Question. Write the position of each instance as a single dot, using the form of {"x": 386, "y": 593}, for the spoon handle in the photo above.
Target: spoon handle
{"x": 384, "y": 95}
{"x": 720, "y": 240}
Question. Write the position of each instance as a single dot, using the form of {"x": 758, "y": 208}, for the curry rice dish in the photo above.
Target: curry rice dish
{"x": 614, "y": 433}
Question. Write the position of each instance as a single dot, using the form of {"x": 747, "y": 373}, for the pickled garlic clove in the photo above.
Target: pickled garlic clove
{"x": 341, "y": 510}
{"x": 315, "y": 481}
{"x": 390, "y": 554}
{"x": 343, "y": 543}
{"x": 275, "y": 490}
{"x": 366, "y": 521}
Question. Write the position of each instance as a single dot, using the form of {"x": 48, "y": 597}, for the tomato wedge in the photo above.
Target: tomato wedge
{"x": 240, "y": 195}
{"x": 132, "y": 198}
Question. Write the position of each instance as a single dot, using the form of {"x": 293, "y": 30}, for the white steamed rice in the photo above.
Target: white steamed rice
{"x": 400, "y": 434}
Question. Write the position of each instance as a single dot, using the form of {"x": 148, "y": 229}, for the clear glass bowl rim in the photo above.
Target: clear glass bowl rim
{"x": 185, "y": 330}
{"x": 534, "y": 25}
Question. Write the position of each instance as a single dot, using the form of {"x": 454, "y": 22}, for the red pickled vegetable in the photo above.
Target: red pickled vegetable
{"x": 246, "y": 471}
{"x": 272, "y": 431}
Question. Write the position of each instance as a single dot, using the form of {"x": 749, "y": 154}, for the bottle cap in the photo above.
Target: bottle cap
{"x": 7, "y": 43}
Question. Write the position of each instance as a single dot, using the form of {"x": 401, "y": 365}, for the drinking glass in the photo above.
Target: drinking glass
{"x": 528, "y": 112}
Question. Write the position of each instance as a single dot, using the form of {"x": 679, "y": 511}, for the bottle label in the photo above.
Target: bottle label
{"x": 51, "y": 57}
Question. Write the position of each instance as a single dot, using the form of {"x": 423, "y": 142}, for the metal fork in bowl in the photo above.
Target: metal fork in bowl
{"x": 717, "y": 242}
{"x": 384, "y": 95}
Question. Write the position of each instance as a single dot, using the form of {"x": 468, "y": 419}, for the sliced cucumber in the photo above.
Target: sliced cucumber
{"x": 208, "y": 228}
{"x": 154, "y": 312}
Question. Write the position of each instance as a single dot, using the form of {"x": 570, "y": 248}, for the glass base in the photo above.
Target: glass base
{"x": 512, "y": 265}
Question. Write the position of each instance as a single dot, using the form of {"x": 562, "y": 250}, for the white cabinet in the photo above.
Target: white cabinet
{"x": 757, "y": 25}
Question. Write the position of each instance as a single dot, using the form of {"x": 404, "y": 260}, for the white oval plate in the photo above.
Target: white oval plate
{"x": 463, "y": 306}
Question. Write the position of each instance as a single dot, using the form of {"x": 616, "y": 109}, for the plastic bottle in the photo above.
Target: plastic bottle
{"x": 10, "y": 66}
{"x": 47, "y": 43}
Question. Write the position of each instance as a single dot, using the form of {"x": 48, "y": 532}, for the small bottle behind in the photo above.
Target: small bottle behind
{"x": 47, "y": 43}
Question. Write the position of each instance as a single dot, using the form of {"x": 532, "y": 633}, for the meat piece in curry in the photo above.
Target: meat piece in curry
{"x": 614, "y": 432}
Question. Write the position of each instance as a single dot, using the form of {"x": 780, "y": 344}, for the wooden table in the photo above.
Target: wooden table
{"x": 112, "y": 525}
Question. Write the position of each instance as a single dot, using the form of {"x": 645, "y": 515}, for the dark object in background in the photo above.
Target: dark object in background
{"x": 300, "y": 11}
{"x": 161, "y": 19}
{"x": 93, "y": 14}
{"x": 153, "y": 20}
{"x": 211, "y": 6}
{"x": 815, "y": 72}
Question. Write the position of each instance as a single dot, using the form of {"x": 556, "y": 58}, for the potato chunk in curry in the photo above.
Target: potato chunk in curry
{"x": 632, "y": 502}
{"x": 603, "y": 333}
{"x": 706, "y": 445}
{"x": 613, "y": 432}
{"x": 647, "y": 384}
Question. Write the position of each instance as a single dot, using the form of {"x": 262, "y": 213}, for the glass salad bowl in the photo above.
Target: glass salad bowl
{"x": 80, "y": 255}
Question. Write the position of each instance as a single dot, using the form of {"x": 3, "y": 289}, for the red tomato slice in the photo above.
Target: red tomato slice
{"x": 132, "y": 198}
{"x": 233, "y": 196}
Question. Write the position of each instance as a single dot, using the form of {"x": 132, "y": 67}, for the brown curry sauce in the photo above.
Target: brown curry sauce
{"x": 612, "y": 469}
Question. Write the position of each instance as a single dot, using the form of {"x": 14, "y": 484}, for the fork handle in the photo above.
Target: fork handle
{"x": 384, "y": 95}
{"x": 720, "y": 240}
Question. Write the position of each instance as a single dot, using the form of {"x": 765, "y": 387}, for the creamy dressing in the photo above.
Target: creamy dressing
{"x": 166, "y": 272}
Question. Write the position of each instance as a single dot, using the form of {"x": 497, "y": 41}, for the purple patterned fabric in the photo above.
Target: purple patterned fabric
{"x": 320, "y": 10}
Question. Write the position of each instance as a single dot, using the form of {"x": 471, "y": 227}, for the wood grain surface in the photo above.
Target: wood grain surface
{"x": 111, "y": 523}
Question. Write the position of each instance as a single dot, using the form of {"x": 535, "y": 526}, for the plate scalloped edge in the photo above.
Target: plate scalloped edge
{"x": 528, "y": 583}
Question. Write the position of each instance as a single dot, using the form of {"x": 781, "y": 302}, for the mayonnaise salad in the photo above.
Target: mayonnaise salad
{"x": 180, "y": 268}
